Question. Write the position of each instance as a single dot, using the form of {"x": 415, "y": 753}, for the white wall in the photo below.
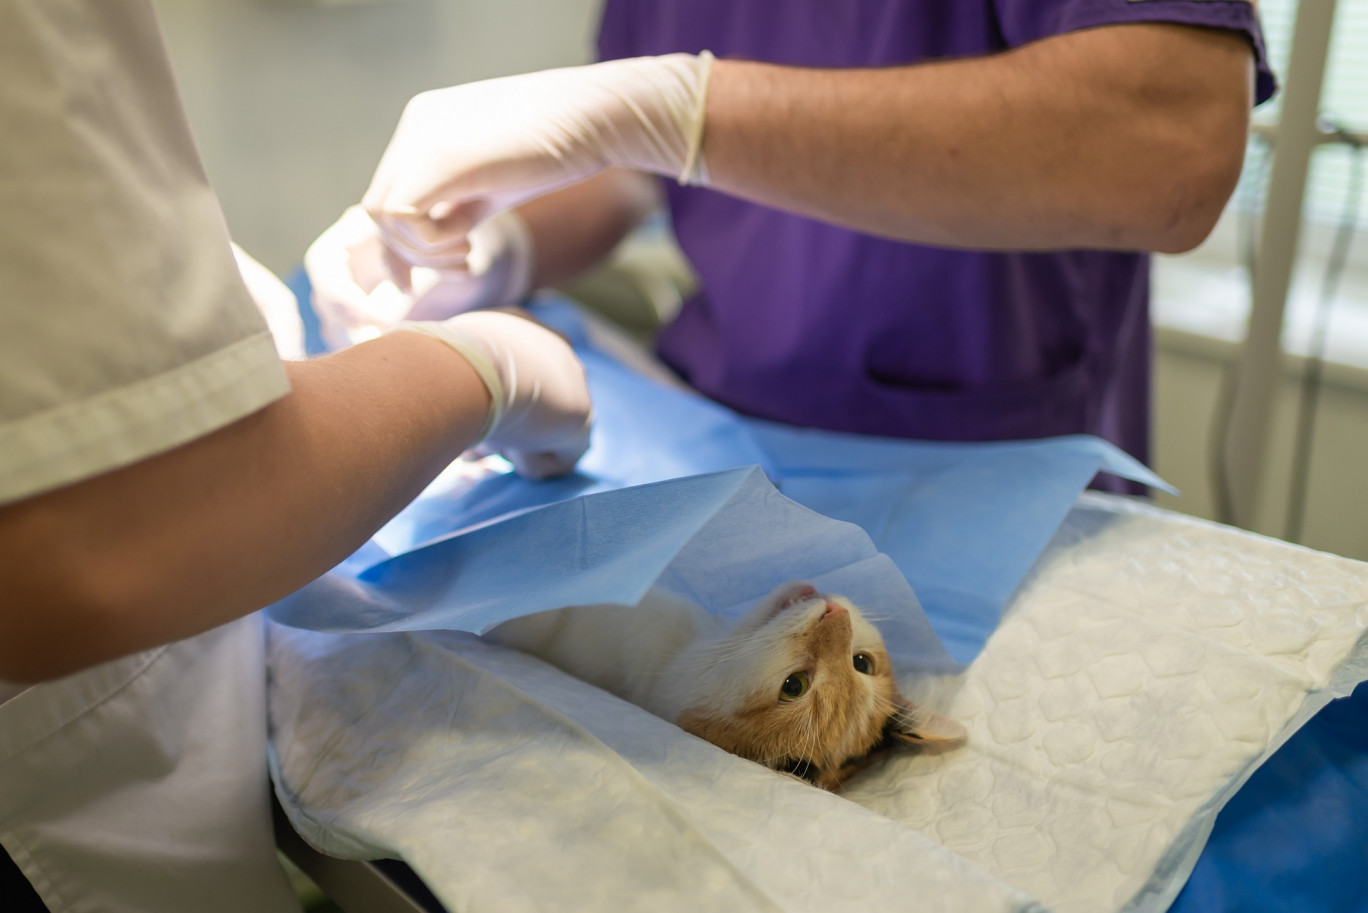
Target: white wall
{"x": 1189, "y": 374}
{"x": 292, "y": 103}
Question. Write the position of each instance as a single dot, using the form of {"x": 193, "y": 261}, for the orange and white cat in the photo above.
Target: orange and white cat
{"x": 802, "y": 684}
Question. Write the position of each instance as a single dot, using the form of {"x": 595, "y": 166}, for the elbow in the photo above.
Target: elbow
{"x": 1183, "y": 231}
{"x": 1175, "y": 198}
{"x": 1179, "y": 100}
{"x": 26, "y": 660}
{"x": 62, "y": 609}
{"x": 1188, "y": 174}
{"x": 1191, "y": 202}
{"x": 50, "y": 634}
{"x": 29, "y": 655}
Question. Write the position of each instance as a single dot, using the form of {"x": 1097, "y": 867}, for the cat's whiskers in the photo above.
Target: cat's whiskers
{"x": 815, "y": 754}
{"x": 810, "y": 742}
{"x": 715, "y": 654}
{"x": 701, "y": 663}
{"x": 826, "y": 763}
{"x": 702, "y": 659}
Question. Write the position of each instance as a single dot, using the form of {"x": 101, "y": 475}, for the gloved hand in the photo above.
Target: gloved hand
{"x": 276, "y": 303}
{"x": 463, "y": 153}
{"x": 357, "y": 295}
{"x": 540, "y": 415}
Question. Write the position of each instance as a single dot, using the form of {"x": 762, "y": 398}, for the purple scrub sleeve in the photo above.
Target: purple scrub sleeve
{"x": 803, "y": 322}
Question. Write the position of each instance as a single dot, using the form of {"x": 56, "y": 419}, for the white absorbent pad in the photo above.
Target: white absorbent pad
{"x": 1143, "y": 670}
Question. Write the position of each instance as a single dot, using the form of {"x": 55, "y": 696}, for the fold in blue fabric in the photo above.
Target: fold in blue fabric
{"x": 722, "y": 539}
{"x": 469, "y": 555}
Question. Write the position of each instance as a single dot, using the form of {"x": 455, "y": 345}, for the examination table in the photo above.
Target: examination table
{"x": 1125, "y": 674}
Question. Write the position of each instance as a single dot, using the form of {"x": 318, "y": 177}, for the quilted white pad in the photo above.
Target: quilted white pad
{"x": 1142, "y": 672}
{"x": 1145, "y": 669}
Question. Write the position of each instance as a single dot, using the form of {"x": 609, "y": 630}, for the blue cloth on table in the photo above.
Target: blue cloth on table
{"x": 927, "y": 506}
{"x": 696, "y": 536}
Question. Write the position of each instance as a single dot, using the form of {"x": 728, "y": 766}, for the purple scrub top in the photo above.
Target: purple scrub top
{"x": 810, "y": 324}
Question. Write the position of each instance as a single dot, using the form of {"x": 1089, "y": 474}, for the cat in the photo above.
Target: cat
{"x": 802, "y": 684}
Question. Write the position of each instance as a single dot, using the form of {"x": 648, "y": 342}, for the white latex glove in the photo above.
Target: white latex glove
{"x": 356, "y": 296}
{"x": 541, "y": 414}
{"x": 463, "y": 153}
{"x": 276, "y": 303}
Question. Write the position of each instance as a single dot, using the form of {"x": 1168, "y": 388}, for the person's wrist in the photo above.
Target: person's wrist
{"x": 511, "y": 261}
{"x": 665, "y": 124}
{"x": 476, "y": 355}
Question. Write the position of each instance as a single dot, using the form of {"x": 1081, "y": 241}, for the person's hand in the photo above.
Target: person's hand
{"x": 357, "y": 295}
{"x": 276, "y": 303}
{"x": 463, "y": 153}
{"x": 540, "y": 414}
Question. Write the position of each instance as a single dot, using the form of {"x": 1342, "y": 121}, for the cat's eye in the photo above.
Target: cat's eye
{"x": 864, "y": 663}
{"x": 795, "y": 686}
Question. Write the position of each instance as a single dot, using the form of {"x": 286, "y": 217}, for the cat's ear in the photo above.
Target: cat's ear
{"x": 917, "y": 725}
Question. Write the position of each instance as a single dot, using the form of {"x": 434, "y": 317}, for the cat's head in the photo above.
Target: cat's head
{"x": 804, "y": 685}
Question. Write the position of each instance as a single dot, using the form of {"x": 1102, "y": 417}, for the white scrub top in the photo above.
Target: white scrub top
{"x": 125, "y": 330}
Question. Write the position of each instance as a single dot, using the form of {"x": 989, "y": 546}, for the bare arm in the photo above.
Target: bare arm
{"x": 192, "y": 538}
{"x": 1125, "y": 137}
{"x": 575, "y": 228}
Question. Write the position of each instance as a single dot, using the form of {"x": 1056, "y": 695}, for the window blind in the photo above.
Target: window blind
{"x": 1344, "y": 99}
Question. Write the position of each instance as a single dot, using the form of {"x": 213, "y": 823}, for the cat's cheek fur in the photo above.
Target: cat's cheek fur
{"x": 759, "y": 733}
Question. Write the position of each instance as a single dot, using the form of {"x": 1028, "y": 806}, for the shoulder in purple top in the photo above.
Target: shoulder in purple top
{"x": 810, "y": 324}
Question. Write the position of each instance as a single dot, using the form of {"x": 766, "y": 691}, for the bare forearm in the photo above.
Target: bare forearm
{"x": 1126, "y": 137}
{"x": 184, "y": 541}
{"x": 575, "y": 228}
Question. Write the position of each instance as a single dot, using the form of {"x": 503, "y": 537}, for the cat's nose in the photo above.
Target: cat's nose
{"x": 834, "y": 611}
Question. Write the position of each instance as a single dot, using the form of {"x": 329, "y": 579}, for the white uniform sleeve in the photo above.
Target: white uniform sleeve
{"x": 125, "y": 328}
